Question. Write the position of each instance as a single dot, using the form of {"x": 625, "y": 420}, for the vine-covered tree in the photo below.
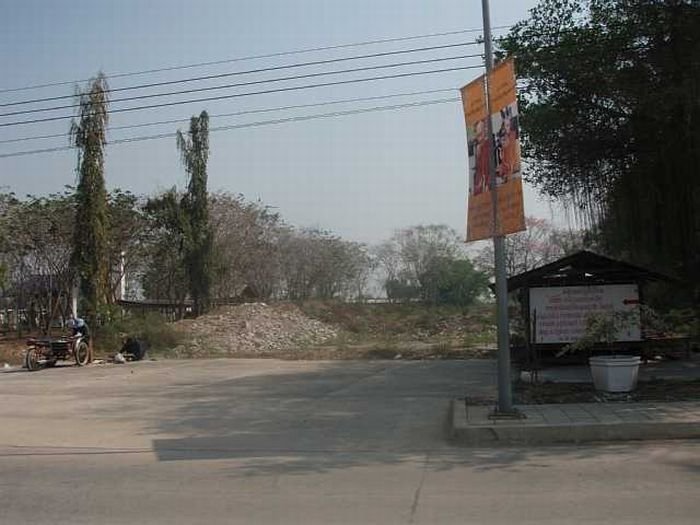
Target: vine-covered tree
{"x": 194, "y": 151}
{"x": 610, "y": 114}
{"x": 90, "y": 257}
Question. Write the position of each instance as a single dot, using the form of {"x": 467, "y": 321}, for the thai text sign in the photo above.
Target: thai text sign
{"x": 503, "y": 146}
{"x": 559, "y": 314}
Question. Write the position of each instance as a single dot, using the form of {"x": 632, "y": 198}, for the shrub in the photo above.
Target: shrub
{"x": 149, "y": 328}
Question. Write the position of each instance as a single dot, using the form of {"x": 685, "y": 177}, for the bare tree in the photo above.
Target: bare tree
{"x": 540, "y": 244}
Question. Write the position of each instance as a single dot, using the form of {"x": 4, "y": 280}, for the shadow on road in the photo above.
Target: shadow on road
{"x": 342, "y": 416}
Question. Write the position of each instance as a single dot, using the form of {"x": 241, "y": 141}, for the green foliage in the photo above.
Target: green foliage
{"x": 453, "y": 281}
{"x": 602, "y": 328}
{"x": 165, "y": 274}
{"x": 610, "y": 113}
{"x": 128, "y": 247}
{"x": 36, "y": 236}
{"x": 198, "y": 246}
{"x": 427, "y": 263}
{"x": 401, "y": 291}
{"x": 91, "y": 235}
{"x": 684, "y": 322}
{"x": 150, "y": 328}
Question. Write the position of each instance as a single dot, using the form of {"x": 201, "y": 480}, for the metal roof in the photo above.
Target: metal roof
{"x": 584, "y": 268}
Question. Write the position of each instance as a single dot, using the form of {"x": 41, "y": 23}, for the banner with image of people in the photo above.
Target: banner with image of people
{"x": 504, "y": 146}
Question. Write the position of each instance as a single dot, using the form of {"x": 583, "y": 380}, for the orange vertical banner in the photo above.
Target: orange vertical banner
{"x": 504, "y": 146}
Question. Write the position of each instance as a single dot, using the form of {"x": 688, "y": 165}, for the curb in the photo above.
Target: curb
{"x": 501, "y": 433}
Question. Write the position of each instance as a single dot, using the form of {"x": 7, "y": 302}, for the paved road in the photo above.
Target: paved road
{"x": 245, "y": 441}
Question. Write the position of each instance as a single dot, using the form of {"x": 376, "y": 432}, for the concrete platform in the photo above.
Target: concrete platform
{"x": 575, "y": 423}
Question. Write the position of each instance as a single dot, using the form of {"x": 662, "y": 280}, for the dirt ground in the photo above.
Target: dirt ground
{"x": 316, "y": 331}
{"x": 11, "y": 350}
{"x": 658, "y": 390}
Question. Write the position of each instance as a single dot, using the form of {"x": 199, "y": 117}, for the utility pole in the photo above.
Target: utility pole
{"x": 505, "y": 395}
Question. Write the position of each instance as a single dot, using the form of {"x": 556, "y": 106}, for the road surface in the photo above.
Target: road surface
{"x": 272, "y": 442}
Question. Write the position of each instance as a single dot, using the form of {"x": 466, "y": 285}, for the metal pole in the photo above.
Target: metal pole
{"x": 505, "y": 396}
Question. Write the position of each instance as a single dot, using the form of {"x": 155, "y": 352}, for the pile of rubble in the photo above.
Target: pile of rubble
{"x": 252, "y": 329}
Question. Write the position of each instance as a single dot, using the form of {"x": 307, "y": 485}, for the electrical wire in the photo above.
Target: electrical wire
{"x": 251, "y": 83}
{"x": 301, "y": 118}
{"x": 249, "y": 71}
{"x": 254, "y": 57}
{"x": 239, "y": 113}
{"x": 262, "y": 92}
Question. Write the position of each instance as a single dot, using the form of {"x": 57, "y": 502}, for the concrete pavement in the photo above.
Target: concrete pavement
{"x": 243, "y": 441}
{"x": 474, "y": 425}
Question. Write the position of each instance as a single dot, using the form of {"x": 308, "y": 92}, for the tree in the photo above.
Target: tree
{"x": 453, "y": 281}
{"x": 406, "y": 258}
{"x": 90, "y": 240}
{"x": 164, "y": 274}
{"x": 246, "y": 246}
{"x": 36, "y": 243}
{"x": 610, "y": 113}
{"x": 317, "y": 264}
{"x": 128, "y": 249}
{"x": 194, "y": 151}
{"x": 428, "y": 263}
{"x": 539, "y": 244}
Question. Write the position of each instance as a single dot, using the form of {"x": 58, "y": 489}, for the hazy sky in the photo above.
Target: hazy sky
{"x": 361, "y": 176}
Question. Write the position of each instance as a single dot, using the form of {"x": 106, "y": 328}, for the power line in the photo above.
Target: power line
{"x": 240, "y": 113}
{"x": 250, "y": 83}
{"x": 252, "y": 57}
{"x": 247, "y": 125}
{"x": 246, "y": 72}
{"x": 262, "y": 92}
{"x": 225, "y": 75}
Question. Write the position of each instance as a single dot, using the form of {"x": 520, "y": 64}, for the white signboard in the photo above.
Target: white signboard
{"x": 558, "y": 314}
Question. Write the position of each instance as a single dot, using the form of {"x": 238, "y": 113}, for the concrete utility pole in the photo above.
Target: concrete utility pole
{"x": 505, "y": 395}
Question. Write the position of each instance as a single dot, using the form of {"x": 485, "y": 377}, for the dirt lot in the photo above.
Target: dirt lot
{"x": 335, "y": 330}
{"x": 316, "y": 330}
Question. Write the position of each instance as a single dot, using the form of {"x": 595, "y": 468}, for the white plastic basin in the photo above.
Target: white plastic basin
{"x": 612, "y": 373}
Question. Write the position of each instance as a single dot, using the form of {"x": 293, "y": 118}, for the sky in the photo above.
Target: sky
{"x": 361, "y": 176}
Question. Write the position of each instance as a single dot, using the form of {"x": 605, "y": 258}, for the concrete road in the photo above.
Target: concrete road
{"x": 261, "y": 441}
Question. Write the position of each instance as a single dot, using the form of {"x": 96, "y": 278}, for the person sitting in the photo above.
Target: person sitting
{"x": 78, "y": 326}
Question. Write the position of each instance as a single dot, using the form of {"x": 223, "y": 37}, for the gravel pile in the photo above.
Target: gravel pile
{"x": 252, "y": 329}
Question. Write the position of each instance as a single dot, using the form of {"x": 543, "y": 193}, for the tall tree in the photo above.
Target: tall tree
{"x": 611, "y": 112}
{"x": 90, "y": 240}
{"x": 194, "y": 151}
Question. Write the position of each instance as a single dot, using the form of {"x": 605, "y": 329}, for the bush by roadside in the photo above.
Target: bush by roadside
{"x": 151, "y": 329}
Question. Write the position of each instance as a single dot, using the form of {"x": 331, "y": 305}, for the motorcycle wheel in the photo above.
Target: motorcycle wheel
{"x": 82, "y": 354}
{"x": 31, "y": 360}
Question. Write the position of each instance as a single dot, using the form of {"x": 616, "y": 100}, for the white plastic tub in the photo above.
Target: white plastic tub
{"x": 612, "y": 373}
